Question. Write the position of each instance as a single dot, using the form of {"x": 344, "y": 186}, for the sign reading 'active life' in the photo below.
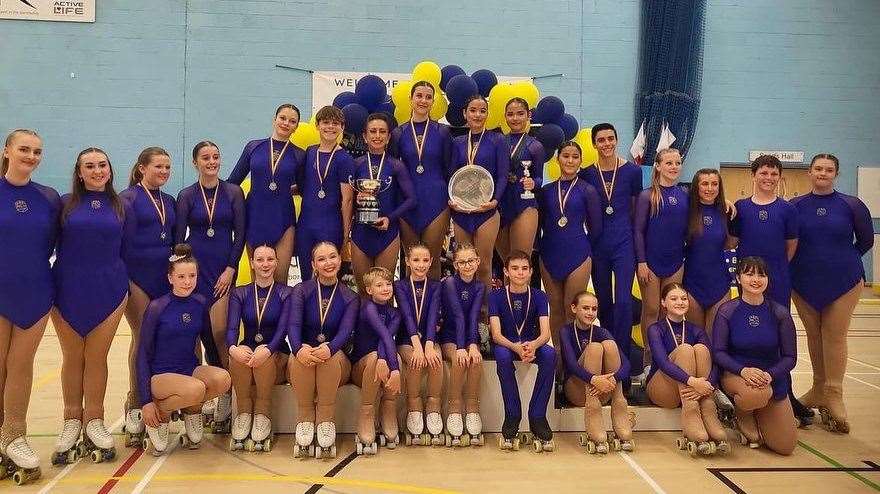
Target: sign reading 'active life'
{"x": 48, "y": 10}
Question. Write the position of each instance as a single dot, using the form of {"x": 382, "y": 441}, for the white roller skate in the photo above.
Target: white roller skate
{"x": 133, "y": 428}
{"x": 455, "y": 435}
{"x": 222, "y": 423}
{"x": 434, "y": 421}
{"x": 474, "y": 424}
{"x": 241, "y": 427}
{"x": 66, "y": 451}
{"x": 157, "y": 437}
{"x": 415, "y": 428}
{"x": 261, "y": 433}
{"x": 305, "y": 437}
{"x": 326, "y": 440}
{"x": 97, "y": 443}
{"x": 21, "y": 461}
{"x": 195, "y": 430}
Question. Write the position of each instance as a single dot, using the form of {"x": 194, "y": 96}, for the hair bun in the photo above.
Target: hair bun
{"x": 182, "y": 250}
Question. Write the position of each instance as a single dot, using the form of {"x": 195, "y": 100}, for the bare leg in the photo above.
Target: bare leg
{"x": 523, "y": 230}
{"x": 303, "y": 378}
{"x": 96, "y": 347}
{"x": 72, "y": 348}
{"x": 19, "y": 374}
{"x": 172, "y": 392}
{"x": 412, "y": 379}
{"x": 815, "y": 397}
{"x": 433, "y": 237}
{"x": 483, "y": 241}
{"x": 776, "y": 424}
{"x": 242, "y": 376}
{"x": 217, "y": 382}
{"x": 328, "y": 379}
{"x": 712, "y": 311}
{"x": 456, "y": 379}
{"x": 284, "y": 253}
{"x": 134, "y": 314}
{"x": 360, "y": 264}
{"x": 695, "y": 313}
{"x": 264, "y": 377}
{"x": 218, "y": 328}
{"x": 389, "y": 257}
{"x": 835, "y": 326}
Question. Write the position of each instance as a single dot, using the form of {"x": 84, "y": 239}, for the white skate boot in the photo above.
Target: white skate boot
{"x": 261, "y": 433}
{"x": 195, "y": 430}
{"x": 24, "y": 461}
{"x": 326, "y": 440}
{"x": 305, "y": 436}
{"x": 97, "y": 442}
{"x": 66, "y": 451}
{"x": 158, "y": 438}
{"x": 241, "y": 427}
{"x": 475, "y": 428}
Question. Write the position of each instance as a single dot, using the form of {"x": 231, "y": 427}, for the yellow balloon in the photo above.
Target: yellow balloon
{"x": 313, "y": 120}
{"x": 305, "y": 135}
{"x": 584, "y": 140}
{"x": 499, "y": 95}
{"x": 244, "y": 266}
{"x": 400, "y": 98}
{"x": 427, "y": 70}
{"x": 553, "y": 168}
{"x": 438, "y": 110}
{"x": 402, "y": 114}
{"x": 528, "y": 91}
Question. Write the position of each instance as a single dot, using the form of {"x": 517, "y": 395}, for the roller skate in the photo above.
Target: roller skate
{"x": 97, "y": 443}
{"x": 749, "y": 435}
{"x": 622, "y": 422}
{"x": 474, "y": 424}
{"x": 365, "y": 439}
{"x": 261, "y": 434}
{"x": 455, "y": 435}
{"x": 434, "y": 421}
{"x": 326, "y": 440}
{"x": 222, "y": 422}
{"x": 20, "y": 461}
{"x": 389, "y": 436}
{"x": 509, "y": 438}
{"x": 543, "y": 435}
{"x": 157, "y": 437}
{"x": 693, "y": 438}
{"x": 241, "y": 427}
{"x": 66, "y": 450}
{"x": 717, "y": 435}
{"x": 305, "y": 437}
{"x": 802, "y": 414}
{"x": 133, "y": 427}
{"x": 594, "y": 439}
{"x": 195, "y": 430}
{"x": 208, "y": 408}
{"x": 725, "y": 409}
{"x": 415, "y": 429}
{"x": 833, "y": 413}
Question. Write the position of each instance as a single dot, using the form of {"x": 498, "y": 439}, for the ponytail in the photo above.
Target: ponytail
{"x": 144, "y": 158}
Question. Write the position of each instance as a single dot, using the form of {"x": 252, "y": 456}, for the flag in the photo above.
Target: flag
{"x": 637, "y": 150}
{"x": 666, "y": 137}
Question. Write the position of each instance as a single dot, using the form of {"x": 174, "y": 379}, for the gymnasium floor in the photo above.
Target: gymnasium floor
{"x": 822, "y": 462}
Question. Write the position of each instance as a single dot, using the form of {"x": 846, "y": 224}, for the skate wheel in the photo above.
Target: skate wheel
{"x": 18, "y": 477}
{"x": 145, "y": 443}
{"x": 615, "y": 443}
{"x": 96, "y": 456}
{"x": 374, "y": 448}
{"x": 382, "y": 440}
{"x": 318, "y": 452}
{"x": 249, "y": 445}
{"x": 591, "y": 447}
{"x": 712, "y": 447}
{"x": 516, "y": 444}
{"x": 333, "y": 451}
{"x": 183, "y": 440}
{"x": 537, "y": 446}
{"x": 480, "y": 439}
{"x": 692, "y": 448}
{"x": 267, "y": 445}
{"x": 629, "y": 445}
{"x": 525, "y": 438}
{"x": 602, "y": 448}
{"x": 501, "y": 443}
{"x": 359, "y": 447}
{"x": 408, "y": 439}
{"x": 723, "y": 447}
{"x": 232, "y": 444}
{"x": 550, "y": 446}
{"x": 311, "y": 450}
{"x": 425, "y": 439}
{"x": 447, "y": 440}
{"x": 582, "y": 439}
{"x": 465, "y": 440}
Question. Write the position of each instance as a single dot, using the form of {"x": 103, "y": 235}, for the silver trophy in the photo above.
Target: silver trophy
{"x": 527, "y": 194}
{"x": 470, "y": 187}
{"x": 367, "y": 202}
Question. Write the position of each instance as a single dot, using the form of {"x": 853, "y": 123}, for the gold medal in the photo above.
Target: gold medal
{"x": 562, "y": 222}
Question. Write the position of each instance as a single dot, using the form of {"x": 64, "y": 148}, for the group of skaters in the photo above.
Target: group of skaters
{"x": 118, "y": 254}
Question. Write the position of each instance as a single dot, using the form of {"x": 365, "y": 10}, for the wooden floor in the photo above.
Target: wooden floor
{"x": 822, "y": 463}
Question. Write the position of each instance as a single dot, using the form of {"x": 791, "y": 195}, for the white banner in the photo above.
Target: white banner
{"x": 48, "y": 10}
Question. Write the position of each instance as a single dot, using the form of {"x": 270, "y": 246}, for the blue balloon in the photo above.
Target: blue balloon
{"x": 355, "y": 118}
{"x": 549, "y": 110}
{"x": 569, "y": 125}
{"x": 386, "y": 107}
{"x": 344, "y": 98}
{"x": 371, "y": 91}
{"x": 460, "y": 88}
{"x": 485, "y": 80}
{"x": 455, "y": 116}
{"x": 447, "y": 73}
{"x": 550, "y": 136}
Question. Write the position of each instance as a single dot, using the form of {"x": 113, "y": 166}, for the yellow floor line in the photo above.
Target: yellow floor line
{"x": 380, "y": 486}
{"x": 46, "y": 379}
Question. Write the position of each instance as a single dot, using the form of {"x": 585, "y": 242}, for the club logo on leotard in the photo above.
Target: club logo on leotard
{"x": 707, "y": 220}
{"x": 21, "y": 206}
{"x": 517, "y": 305}
{"x": 673, "y": 201}
{"x": 186, "y": 317}
{"x": 754, "y": 321}
{"x": 821, "y": 212}
{"x": 276, "y": 155}
{"x": 465, "y": 295}
{"x": 324, "y": 304}
{"x": 763, "y": 215}
{"x": 96, "y": 204}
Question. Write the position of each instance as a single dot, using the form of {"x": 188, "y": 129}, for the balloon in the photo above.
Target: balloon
{"x": 447, "y": 73}
{"x": 400, "y": 98}
{"x": 552, "y": 168}
{"x": 584, "y": 139}
{"x": 427, "y": 71}
{"x": 438, "y": 110}
{"x": 485, "y": 80}
{"x": 455, "y": 116}
{"x": 402, "y": 114}
{"x": 549, "y": 110}
{"x": 460, "y": 88}
{"x": 528, "y": 91}
{"x": 498, "y": 98}
{"x": 387, "y": 108}
{"x": 305, "y": 135}
{"x": 344, "y": 98}
{"x": 355, "y": 118}
{"x": 370, "y": 91}
{"x": 550, "y": 135}
{"x": 569, "y": 125}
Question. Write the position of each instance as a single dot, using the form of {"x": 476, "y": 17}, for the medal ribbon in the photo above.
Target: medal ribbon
{"x": 419, "y": 303}
{"x": 564, "y": 199}
{"x": 370, "y": 167}
{"x": 420, "y": 145}
{"x": 608, "y": 190}
{"x": 471, "y": 148}
{"x": 273, "y": 163}
{"x": 323, "y": 176}
{"x": 210, "y": 208}
{"x": 261, "y": 309}
{"x": 521, "y": 326}
{"x": 322, "y": 313}
{"x": 159, "y": 205}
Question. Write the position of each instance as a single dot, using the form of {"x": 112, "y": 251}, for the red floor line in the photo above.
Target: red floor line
{"x": 121, "y": 471}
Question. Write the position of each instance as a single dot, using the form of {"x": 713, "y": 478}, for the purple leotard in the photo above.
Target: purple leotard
{"x": 427, "y": 295}
{"x": 512, "y": 204}
{"x": 430, "y": 185}
{"x": 320, "y": 218}
{"x": 172, "y": 326}
{"x": 564, "y": 248}
{"x": 148, "y": 252}
{"x": 270, "y": 212}
{"x": 460, "y": 304}
{"x": 90, "y": 275}
{"x": 243, "y": 311}
{"x": 762, "y": 336}
{"x": 660, "y": 239}
{"x": 396, "y": 198}
{"x": 705, "y": 270}
{"x": 304, "y": 325}
{"x": 493, "y": 155}
{"x": 512, "y": 315}
{"x": 29, "y": 217}
{"x": 377, "y": 324}
{"x": 214, "y": 254}
{"x": 574, "y": 342}
{"x": 763, "y": 231}
{"x": 664, "y": 341}
{"x": 828, "y": 261}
